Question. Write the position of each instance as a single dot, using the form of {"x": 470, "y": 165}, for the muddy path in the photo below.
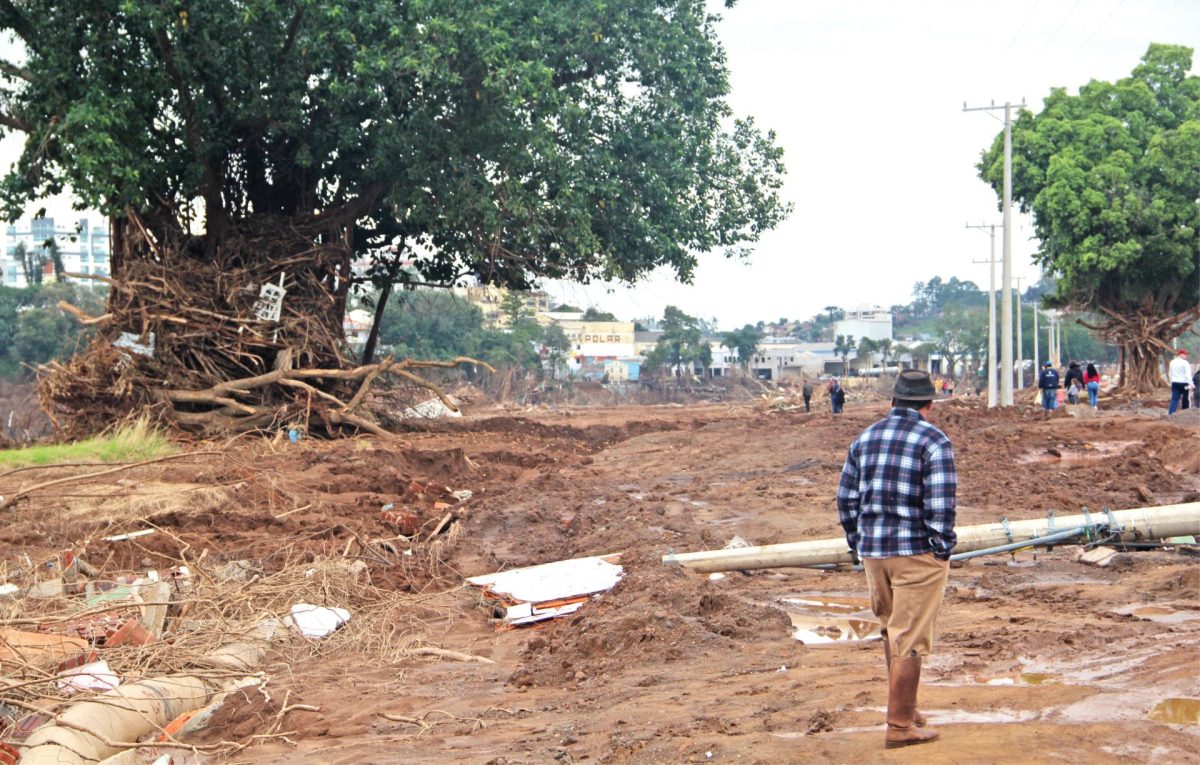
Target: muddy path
{"x": 1039, "y": 658}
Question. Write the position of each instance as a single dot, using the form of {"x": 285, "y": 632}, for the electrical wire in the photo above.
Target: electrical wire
{"x": 1061, "y": 24}
{"x": 1107, "y": 18}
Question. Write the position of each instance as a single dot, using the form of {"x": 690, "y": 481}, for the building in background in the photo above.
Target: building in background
{"x": 869, "y": 321}
{"x": 490, "y": 300}
{"x": 84, "y": 248}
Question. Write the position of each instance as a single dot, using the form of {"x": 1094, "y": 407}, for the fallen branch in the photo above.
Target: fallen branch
{"x": 443, "y": 653}
{"x": 10, "y": 501}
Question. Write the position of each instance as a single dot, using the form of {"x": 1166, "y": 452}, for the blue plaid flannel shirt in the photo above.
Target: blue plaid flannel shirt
{"x": 897, "y": 492}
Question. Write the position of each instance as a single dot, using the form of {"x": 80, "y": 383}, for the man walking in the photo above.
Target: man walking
{"x": 807, "y": 392}
{"x": 837, "y": 396}
{"x": 1048, "y": 383}
{"x": 896, "y": 501}
{"x": 1180, "y": 375}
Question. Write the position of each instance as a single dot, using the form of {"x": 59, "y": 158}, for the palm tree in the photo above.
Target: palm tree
{"x": 866, "y": 346}
{"x": 842, "y": 346}
{"x": 884, "y": 347}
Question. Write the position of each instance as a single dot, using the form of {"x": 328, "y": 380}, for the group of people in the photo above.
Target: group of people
{"x": 1185, "y": 383}
{"x": 837, "y": 395}
{"x": 1076, "y": 381}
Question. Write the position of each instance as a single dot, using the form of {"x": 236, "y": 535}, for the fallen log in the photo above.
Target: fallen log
{"x": 1128, "y": 525}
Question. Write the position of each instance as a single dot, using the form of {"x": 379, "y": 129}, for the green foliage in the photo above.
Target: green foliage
{"x": 744, "y": 342}
{"x": 844, "y": 345}
{"x": 33, "y": 330}
{"x": 1110, "y": 175}
{"x": 506, "y": 140}
{"x": 430, "y": 324}
{"x": 681, "y": 342}
{"x": 933, "y": 297}
{"x": 595, "y": 314}
{"x": 434, "y": 324}
{"x": 134, "y": 441}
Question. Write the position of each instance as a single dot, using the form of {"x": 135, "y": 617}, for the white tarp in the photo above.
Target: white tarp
{"x": 429, "y": 410}
{"x": 553, "y": 581}
{"x": 318, "y": 621}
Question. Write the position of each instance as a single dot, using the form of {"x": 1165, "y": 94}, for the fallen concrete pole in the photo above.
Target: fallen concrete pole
{"x": 1135, "y": 524}
{"x": 91, "y": 730}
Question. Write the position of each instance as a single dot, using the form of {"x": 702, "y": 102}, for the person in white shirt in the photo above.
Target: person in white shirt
{"x": 1179, "y": 373}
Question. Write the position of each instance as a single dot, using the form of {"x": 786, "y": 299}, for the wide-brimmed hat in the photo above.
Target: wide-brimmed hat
{"x": 914, "y": 385}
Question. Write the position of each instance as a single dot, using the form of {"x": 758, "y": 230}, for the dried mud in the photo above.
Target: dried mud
{"x": 1038, "y": 658}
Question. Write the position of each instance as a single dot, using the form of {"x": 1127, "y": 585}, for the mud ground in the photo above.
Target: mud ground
{"x": 1038, "y": 659}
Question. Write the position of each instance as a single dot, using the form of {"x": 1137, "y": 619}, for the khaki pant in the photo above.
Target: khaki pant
{"x": 906, "y": 593}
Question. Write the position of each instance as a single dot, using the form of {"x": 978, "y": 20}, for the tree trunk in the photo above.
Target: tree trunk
{"x": 368, "y": 356}
{"x": 1143, "y": 371}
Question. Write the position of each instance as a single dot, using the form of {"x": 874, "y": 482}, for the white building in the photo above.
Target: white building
{"x": 776, "y": 359}
{"x": 869, "y": 321}
{"x": 84, "y": 248}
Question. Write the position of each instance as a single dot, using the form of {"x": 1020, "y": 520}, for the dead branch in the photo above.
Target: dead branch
{"x": 19, "y": 495}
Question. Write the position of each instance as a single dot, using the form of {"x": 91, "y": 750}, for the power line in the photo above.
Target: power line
{"x": 1111, "y": 13}
{"x": 1021, "y": 28}
{"x": 1062, "y": 24}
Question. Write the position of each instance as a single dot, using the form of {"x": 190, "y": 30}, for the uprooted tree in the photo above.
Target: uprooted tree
{"x": 1112, "y": 176}
{"x": 262, "y": 148}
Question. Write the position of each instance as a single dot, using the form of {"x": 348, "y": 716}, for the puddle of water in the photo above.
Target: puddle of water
{"x": 1179, "y": 711}
{"x": 1159, "y": 614}
{"x": 815, "y": 629}
{"x": 1078, "y": 454}
{"x": 843, "y": 605}
{"x": 1039, "y": 678}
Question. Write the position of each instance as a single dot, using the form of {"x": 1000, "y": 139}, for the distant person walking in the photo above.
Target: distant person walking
{"x": 1180, "y": 375}
{"x": 1091, "y": 381}
{"x": 1074, "y": 375}
{"x": 1048, "y": 383}
{"x": 807, "y": 392}
{"x": 837, "y": 396}
{"x": 896, "y": 504}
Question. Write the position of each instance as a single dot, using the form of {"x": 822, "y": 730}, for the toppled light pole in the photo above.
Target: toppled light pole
{"x": 1128, "y": 525}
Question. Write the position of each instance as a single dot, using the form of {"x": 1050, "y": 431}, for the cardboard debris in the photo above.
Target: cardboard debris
{"x": 36, "y": 646}
{"x": 550, "y": 590}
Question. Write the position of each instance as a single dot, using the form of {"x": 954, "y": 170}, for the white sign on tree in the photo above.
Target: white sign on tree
{"x": 270, "y": 301}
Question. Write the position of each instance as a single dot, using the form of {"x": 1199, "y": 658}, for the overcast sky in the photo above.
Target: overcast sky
{"x": 866, "y": 97}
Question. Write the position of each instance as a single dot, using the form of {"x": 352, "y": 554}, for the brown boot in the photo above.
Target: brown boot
{"x": 918, "y": 718}
{"x": 904, "y": 678}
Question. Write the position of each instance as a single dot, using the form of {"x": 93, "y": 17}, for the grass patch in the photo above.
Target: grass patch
{"x": 131, "y": 442}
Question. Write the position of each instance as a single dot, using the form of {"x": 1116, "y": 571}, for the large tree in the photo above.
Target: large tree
{"x": 236, "y": 144}
{"x": 1112, "y": 177}
{"x": 744, "y": 342}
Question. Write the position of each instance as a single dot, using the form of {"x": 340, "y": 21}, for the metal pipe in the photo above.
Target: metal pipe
{"x": 1039, "y": 542}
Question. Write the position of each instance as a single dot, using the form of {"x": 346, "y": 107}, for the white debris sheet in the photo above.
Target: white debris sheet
{"x": 317, "y": 621}
{"x": 429, "y": 410}
{"x": 536, "y": 593}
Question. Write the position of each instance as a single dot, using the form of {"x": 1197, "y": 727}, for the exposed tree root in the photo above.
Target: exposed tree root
{"x": 189, "y": 337}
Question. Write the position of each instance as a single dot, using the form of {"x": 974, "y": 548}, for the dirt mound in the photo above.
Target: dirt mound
{"x": 249, "y": 712}
{"x": 656, "y": 614}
